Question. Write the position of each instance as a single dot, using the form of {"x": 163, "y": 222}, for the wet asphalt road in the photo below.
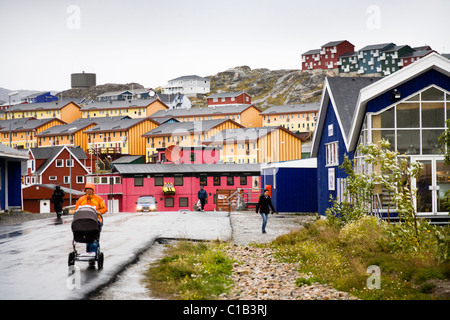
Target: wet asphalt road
{"x": 33, "y": 255}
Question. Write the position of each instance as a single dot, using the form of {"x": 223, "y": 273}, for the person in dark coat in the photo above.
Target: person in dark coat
{"x": 202, "y": 195}
{"x": 264, "y": 205}
{"x": 58, "y": 199}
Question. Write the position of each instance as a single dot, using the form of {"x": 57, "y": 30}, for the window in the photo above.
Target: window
{"x": 80, "y": 179}
{"x": 159, "y": 181}
{"x": 52, "y": 178}
{"x": 138, "y": 181}
{"x": 216, "y": 181}
{"x": 169, "y": 202}
{"x": 332, "y": 154}
{"x": 203, "y": 180}
{"x": 178, "y": 181}
{"x": 230, "y": 181}
{"x": 243, "y": 180}
{"x": 69, "y": 162}
{"x": 184, "y": 202}
{"x": 66, "y": 179}
{"x": 59, "y": 163}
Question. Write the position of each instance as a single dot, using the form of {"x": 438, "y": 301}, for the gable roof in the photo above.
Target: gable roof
{"x": 343, "y": 94}
{"x": 121, "y": 125}
{"x": 292, "y": 108}
{"x": 433, "y": 61}
{"x": 194, "y": 127}
{"x": 227, "y": 94}
{"x": 51, "y": 153}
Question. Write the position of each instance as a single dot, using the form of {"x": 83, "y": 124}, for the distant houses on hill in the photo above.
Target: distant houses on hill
{"x": 372, "y": 60}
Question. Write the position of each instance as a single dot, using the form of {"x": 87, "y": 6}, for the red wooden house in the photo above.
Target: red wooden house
{"x": 62, "y": 165}
{"x": 37, "y": 197}
{"x": 229, "y": 98}
{"x": 327, "y": 56}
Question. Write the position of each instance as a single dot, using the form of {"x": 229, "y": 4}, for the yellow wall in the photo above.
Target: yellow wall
{"x": 186, "y": 139}
{"x": 21, "y": 138}
{"x": 251, "y": 118}
{"x": 70, "y": 113}
{"x": 279, "y": 145}
{"x": 79, "y": 139}
{"x": 302, "y": 122}
{"x": 155, "y": 107}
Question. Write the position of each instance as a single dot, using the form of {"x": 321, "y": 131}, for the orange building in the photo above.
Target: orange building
{"x": 65, "y": 110}
{"x": 131, "y": 108}
{"x": 122, "y": 137}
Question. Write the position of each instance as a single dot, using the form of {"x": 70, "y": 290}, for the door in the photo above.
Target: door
{"x": 433, "y": 183}
{"x": 44, "y": 206}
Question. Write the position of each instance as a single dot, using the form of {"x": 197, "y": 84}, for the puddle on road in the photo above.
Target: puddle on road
{"x": 129, "y": 284}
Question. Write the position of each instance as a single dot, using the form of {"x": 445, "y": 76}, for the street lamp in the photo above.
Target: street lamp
{"x": 15, "y": 93}
{"x": 70, "y": 131}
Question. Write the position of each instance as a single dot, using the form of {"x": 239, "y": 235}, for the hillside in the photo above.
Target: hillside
{"x": 93, "y": 92}
{"x": 269, "y": 87}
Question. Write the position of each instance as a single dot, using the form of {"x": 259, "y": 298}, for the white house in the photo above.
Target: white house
{"x": 188, "y": 85}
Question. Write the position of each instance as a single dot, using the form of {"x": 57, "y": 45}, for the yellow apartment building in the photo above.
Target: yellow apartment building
{"x": 132, "y": 108}
{"x": 256, "y": 145}
{"x": 191, "y": 133}
{"x": 297, "y": 118}
{"x": 64, "y": 110}
{"x": 245, "y": 115}
{"x": 123, "y": 137}
{"x": 24, "y": 131}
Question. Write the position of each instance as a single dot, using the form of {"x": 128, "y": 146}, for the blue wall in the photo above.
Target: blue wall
{"x": 13, "y": 183}
{"x": 293, "y": 189}
{"x": 408, "y": 88}
{"x": 322, "y": 171}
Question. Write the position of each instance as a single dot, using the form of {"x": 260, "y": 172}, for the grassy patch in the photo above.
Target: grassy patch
{"x": 191, "y": 271}
{"x": 341, "y": 257}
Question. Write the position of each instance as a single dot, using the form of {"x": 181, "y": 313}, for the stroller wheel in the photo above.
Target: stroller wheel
{"x": 100, "y": 260}
{"x": 71, "y": 259}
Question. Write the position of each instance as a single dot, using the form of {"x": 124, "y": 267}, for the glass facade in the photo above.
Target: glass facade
{"x": 413, "y": 126}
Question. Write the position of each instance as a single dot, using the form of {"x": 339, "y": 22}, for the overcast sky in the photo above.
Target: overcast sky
{"x": 151, "y": 42}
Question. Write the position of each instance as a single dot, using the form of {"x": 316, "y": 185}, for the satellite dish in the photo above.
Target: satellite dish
{"x": 152, "y": 93}
{"x": 173, "y": 153}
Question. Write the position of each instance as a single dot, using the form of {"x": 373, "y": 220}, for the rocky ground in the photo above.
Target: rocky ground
{"x": 257, "y": 275}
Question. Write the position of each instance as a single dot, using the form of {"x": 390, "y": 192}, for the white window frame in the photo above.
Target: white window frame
{"x": 332, "y": 154}
{"x": 59, "y": 163}
{"x": 69, "y": 163}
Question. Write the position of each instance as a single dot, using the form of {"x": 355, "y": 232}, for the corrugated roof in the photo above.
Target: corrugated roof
{"x": 142, "y": 169}
{"x": 185, "y": 127}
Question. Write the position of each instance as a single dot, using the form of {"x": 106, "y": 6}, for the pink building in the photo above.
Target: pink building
{"x": 130, "y": 181}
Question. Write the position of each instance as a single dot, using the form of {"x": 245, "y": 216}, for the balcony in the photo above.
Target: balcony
{"x": 361, "y": 70}
{"x": 371, "y": 62}
{"x": 382, "y": 57}
{"x": 333, "y": 50}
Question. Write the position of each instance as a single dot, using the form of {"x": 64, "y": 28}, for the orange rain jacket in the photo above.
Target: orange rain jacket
{"x": 95, "y": 201}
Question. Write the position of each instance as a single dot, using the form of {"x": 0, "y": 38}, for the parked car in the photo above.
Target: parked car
{"x": 146, "y": 203}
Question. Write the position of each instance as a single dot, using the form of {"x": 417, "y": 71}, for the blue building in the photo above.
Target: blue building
{"x": 408, "y": 108}
{"x": 10, "y": 177}
{"x": 40, "y": 97}
{"x": 293, "y": 185}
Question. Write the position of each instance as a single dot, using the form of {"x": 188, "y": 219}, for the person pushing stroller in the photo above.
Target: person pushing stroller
{"x": 93, "y": 200}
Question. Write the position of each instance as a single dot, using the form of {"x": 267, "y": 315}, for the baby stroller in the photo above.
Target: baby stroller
{"x": 86, "y": 229}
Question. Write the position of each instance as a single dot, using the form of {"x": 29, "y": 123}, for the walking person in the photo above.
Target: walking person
{"x": 58, "y": 199}
{"x": 91, "y": 199}
{"x": 263, "y": 207}
{"x": 202, "y": 195}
